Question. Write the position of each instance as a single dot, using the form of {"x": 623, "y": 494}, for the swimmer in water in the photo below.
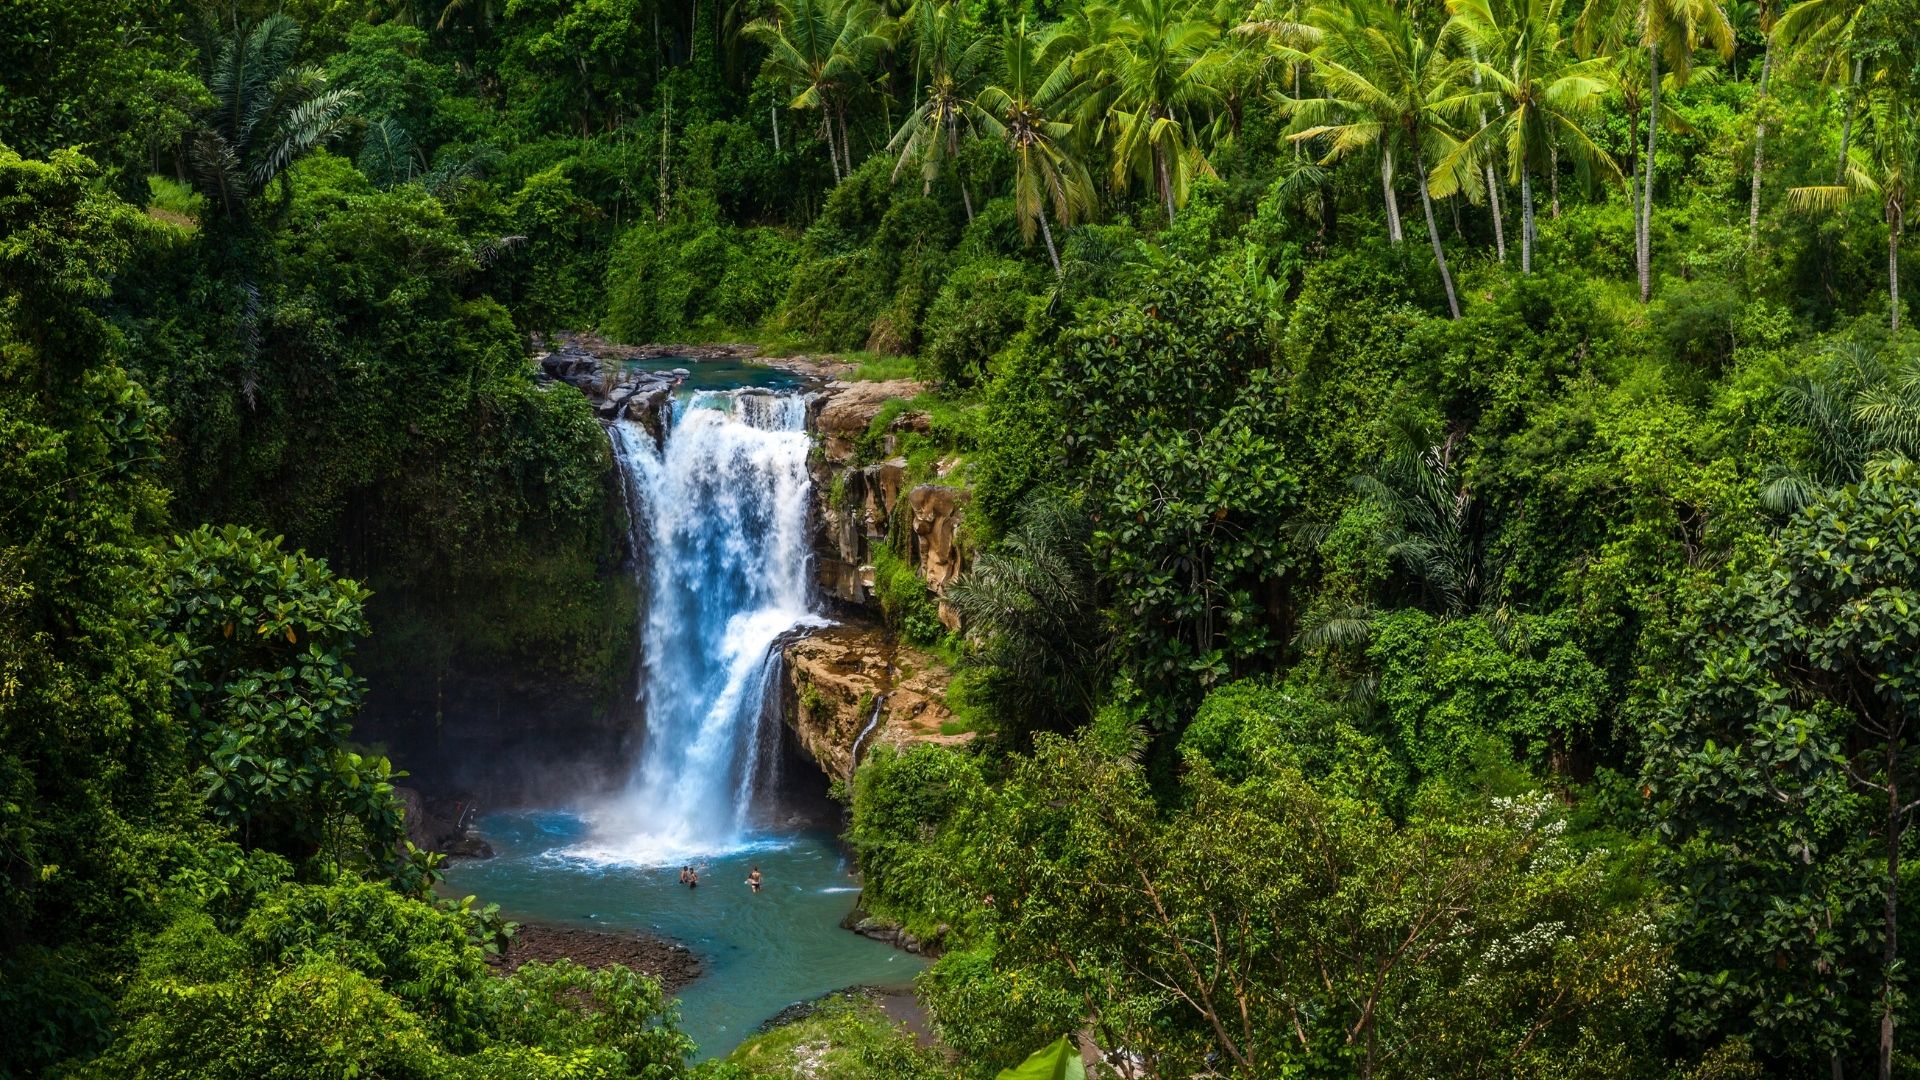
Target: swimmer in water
{"x": 686, "y": 873}
{"x": 753, "y": 879}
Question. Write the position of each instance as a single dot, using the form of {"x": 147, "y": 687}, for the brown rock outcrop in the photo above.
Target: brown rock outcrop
{"x": 849, "y": 689}
{"x": 857, "y": 506}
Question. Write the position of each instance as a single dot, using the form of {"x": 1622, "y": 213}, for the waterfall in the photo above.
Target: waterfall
{"x": 720, "y": 513}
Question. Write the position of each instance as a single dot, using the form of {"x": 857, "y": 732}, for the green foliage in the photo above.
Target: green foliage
{"x": 906, "y": 827}
{"x": 979, "y": 308}
{"x": 95, "y": 805}
{"x": 1032, "y": 605}
{"x": 845, "y": 1036}
{"x": 1777, "y": 770}
{"x": 260, "y": 639}
{"x": 353, "y": 978}
{"x": 110, "y": 79}
{"x": 1177, "y": 422}
{"x": 1060, "y": 1060}
{"x": 870, "y": 264}
{"x": 1465, "y": 693}
{"x": 905, "y": 601}
{"x": 1473, "y": 938}
{"x": 560, "y": 271}
{"x": 694, "y": 279}
{"x": 1241, "y": 725}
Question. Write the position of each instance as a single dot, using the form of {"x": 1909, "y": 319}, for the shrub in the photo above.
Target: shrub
{"x": 979, "y": 308}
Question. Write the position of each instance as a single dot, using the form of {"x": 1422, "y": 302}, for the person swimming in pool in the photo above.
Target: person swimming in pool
{"x": 753, "y": 880}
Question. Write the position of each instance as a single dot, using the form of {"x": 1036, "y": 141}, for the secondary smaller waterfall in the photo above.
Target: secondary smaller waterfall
{"x": 721, "y": 514}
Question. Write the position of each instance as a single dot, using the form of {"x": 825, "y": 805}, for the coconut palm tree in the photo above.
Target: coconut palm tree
{"x": 1290, "y": 38}
{"x": 1882, "y": 168}
{"x": 267, "y": 112}
{"x": 1033, "y": 84}
{"x": 1820, "y": 34}
{"x": 1671, "y": 31}
{"x": 1385, "y": 82}
{"x": 1149, "y": 68}
{"x": 1537, "y": 91}
{"x": 824, "y": 47}
{"x": 951, "y": 57}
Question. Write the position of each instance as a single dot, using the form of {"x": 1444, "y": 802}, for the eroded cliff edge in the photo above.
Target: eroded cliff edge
{"x": 856, "y": 685}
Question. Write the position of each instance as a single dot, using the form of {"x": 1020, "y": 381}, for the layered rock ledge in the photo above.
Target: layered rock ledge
{"x": 850, "y": 689}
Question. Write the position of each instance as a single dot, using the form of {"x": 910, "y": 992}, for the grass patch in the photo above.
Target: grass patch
{"x": 174, "y": 203}
{"x": 874, "y": 367}
{"x": 847, "y": 1037}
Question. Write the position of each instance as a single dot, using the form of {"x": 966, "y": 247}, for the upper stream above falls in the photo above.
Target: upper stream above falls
{"x": 718, "y": 517}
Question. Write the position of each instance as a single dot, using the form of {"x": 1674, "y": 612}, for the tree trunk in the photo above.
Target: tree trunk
{"x": 1890, "y": 946}
{"x": 1296, "y": 97}
{"x": 1633, "y": 181}
{"x": 1386, "y": 189}
{"x": 1526, "y": 222}
{"x": 1846, "y": 126}
{"x": 1759, "y": 148}
{"x": 1493, "y": 204}
{"x": 1046, "y": 233}
{"x": 953, "y": 151}
{"x": 1553, "y": 176}
{"x": 666, "y": 134}
{"x": 846, "y": 141}
{"x": 1493, "y": 185}
{"x": 1165, "y": 178}
{"x": 1646, "y": 191}
{"x": 773, "y": 117}
{"x": 1894, "y": 223}
{"x": 833, "y": 154}
{"x": 1433, "y": 235}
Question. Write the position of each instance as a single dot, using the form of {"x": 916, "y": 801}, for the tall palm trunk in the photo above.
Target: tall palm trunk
{"x": 1493, "y": 185}
{"x": 953, "y": 151}
{"x": 1646, "y": 191}
{"x": 1553, "y": 176}
{"x": 1046, "y": 233}
{"x": 1759, "y": 147}
{"x": 833, "y": 152}
{"x": 846, "y": 144}
{"x": 1386, "y": 189}
{"x": 773, "y": 117}
{"x": 1164, "y": 176}
{"x": 1433, "y": 236}
{"x": 1846, "y": 126}
{"x": 1896, "y": 218}
{"x": 1526, "y": 221}
{"x": 1493, "y": 204}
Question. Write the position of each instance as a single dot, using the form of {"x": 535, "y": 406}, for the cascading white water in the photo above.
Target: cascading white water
{"x": 721, "y": 515}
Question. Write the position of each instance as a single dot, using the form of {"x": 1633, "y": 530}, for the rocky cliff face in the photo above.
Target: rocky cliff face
{"x": 856, "y": 505}
{"x": 850, "y": 689}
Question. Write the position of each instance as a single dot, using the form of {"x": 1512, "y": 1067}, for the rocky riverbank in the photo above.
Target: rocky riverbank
{"x": 671, "y": 963}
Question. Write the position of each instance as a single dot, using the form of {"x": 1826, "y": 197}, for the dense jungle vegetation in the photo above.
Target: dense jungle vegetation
{"x": 1445, "y": 590}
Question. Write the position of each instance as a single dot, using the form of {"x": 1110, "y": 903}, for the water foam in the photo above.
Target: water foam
{"x": 720, "y": 513}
